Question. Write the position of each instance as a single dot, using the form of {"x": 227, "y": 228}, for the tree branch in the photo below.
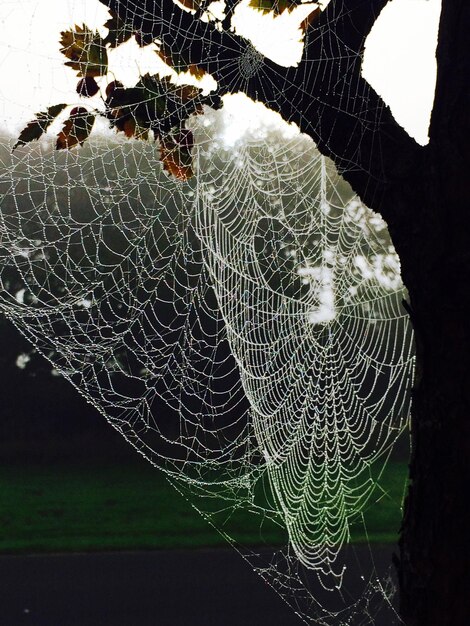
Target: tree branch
{"x": 340, "y": 110}
{"x": 325, "y": 94}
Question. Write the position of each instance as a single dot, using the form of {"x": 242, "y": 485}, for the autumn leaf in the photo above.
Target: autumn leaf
{"x": 196, "y": 71}
{"x": 186, "y": 93}
{"x": 112, "y": 86}
{"x": 38, "y": 127}
{"x": 310, "y": 19}
{"x": 153, "y": 86}
{"x": 76, "y": 129}
{"x": 275, "y": 6}
{"x": 176, "y": 156}
{"x": 192, "y": 5}
{"x": 178, "y": 63}
{"x": 118, "y": 31}
{"x": 154, "y": 103}
{"x": 87, "y": 87}
{"x": 145, "y": 103}
{"x": 130, "y": 127}
{"x": 85, "y": 50}
{"x": 264, "y": 6}
{"x": 132, "y": 110}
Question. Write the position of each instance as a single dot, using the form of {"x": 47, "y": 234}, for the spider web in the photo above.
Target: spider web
{"x": 243, "y": 330}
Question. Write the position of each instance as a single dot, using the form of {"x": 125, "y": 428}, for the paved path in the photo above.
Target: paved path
{"x": 177, "y": 588}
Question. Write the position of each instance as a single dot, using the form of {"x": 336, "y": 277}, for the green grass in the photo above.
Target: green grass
{"x": 110, "y": 506}
{"x": 381, "y": 519}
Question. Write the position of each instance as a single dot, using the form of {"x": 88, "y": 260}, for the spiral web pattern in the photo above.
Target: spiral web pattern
{"x": 244, "y": 331}
{"x": 310, "y": 297}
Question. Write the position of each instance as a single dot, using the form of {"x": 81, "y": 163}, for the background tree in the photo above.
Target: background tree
{"x": 421, "y": 193}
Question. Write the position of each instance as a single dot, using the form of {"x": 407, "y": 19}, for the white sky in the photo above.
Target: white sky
{"x": 399, "y": 60}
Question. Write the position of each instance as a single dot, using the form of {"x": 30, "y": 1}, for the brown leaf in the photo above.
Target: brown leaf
{"x": 196, "y": 71}
{"x": 193, "y": 5}
{"x": 38, "y": 127}
{"x": 87, "y": 87}
{"x": 145, "y": 103}
{"x": 130, "y": 127}
{"x": 176, "y": 159}
{"x": 310, "y": 19}
{"x": 186, "y": 92}
{"x": 85, "y": 50}
{"x": 112, "y": 86}
{"x": 275, "y": 6}
{"x": 76, "y": 129}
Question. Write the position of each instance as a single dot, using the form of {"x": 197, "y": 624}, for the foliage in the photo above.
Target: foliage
{"x": 154, "y": 108}
{"x": 37, "y": 127}
{"x": 76, "y": 129}
{"x": 118, "y": 31}
{"x": 85, "y": 50}
{"x": 275, "y": 6}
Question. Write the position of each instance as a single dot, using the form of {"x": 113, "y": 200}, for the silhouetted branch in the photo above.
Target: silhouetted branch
{"x": 325, "y": 94}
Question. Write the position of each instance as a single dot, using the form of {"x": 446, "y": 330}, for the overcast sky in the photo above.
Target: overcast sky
{"x": 399, "y": 59}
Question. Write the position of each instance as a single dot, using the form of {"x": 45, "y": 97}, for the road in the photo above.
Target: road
{"x": 167, "y": 588}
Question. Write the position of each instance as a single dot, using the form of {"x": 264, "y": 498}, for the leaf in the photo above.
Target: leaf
{"x": 112, "y": 86}
{"x": 153, "y": 86}
{"x": 176, "y": 157}
{"x": 154, "y": 103}
{"x": 87, "y": 87}
{"x": 186, "y": 93}
{"x": 193, "y": 5}
{"x": 196, "y": 71}
{"x": 275, "y": 6}
{"x": 118, "y": 31}
{"x": 85, "y": 50}
{"x": 145, "y": 103}
{"x": 76, "y": 129}
{"x": 179, "y": 63}
{"x": 265, "y": 6}
{"x": 130, "y": 127}
{"x": 311, "y": 18}
{"x": 38, "y": 127}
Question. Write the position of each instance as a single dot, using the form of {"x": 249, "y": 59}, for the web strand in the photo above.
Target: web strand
{"x": 243, "y": 330}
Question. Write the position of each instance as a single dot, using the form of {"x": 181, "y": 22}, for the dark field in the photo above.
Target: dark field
{"x": 123, "y": 505}
{"x": 69, "y": 482}
{"x": 90, "y": 531}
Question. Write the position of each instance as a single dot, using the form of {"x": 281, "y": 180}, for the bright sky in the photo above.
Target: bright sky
{"x": 399, "y": 59}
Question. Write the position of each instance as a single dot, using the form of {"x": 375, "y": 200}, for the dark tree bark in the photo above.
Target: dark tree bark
{"x": 434, "y": 566}
{"x": 422, "y": 193}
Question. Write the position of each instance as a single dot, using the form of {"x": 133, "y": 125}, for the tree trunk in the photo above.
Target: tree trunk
{"x": 434, "y": 571}
{"x": 423, "y": 195}
{"x": 434, "y": 564}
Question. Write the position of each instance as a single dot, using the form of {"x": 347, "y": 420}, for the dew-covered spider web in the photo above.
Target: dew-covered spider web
{"x": 243, "y": 329}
